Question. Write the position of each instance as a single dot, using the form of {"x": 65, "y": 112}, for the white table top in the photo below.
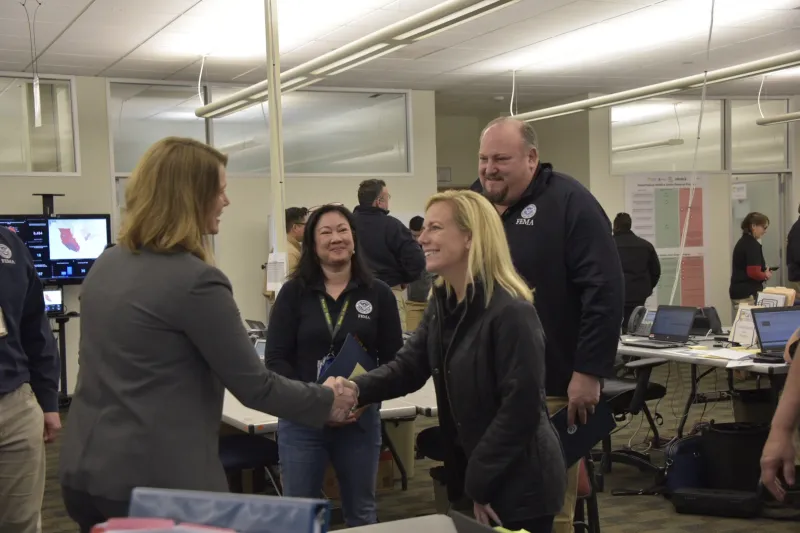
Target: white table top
{"x": 695, "y": 356}
{"x": 435, "y": 523}
{"x": 424, "y": 399}
{"x": 257, "y": 423}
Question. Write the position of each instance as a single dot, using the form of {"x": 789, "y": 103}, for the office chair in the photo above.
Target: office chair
{"x": 587, "y": 511}
{"x": 628, "y": 397}
{"x": 249, "y": 452}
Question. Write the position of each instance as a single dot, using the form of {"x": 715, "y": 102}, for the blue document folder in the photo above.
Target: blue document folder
{"x": 579, "y": 440}
{"x": 351, "y": 361}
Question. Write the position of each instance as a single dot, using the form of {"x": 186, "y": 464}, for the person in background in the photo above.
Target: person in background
{"x": 781, "y": 453}
{"x": 793, "y": 255}
{"x": 29, "y": 372}
{"x": 748, "y": 269}
{"x": 561, "y": 244}
{"x": 331, "y": 294}
{"x": 640, "y": 265}
{"x": 161, "y": 339}
{"x": 389, "y": 248}
{"x": 419, "y": 290}
{"x": 295, "y": 226}
{"x": 484, "y": 346}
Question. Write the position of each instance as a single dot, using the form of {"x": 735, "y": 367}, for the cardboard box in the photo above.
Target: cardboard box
{"x": 385, "y": 481}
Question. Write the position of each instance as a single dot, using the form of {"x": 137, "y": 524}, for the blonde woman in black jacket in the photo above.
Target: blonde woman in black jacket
{"x": 482, "y": 342}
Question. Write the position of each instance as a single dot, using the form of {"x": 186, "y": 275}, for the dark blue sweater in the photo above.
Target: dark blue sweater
{"x": 28, "y": 352}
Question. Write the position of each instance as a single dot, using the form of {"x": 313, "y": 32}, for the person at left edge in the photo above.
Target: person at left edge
{"x": 330, "y": 294}
{"x": 29, "y": 372}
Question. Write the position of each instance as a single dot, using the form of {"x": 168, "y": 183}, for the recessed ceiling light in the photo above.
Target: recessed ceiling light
{"x": 499, "y": 98}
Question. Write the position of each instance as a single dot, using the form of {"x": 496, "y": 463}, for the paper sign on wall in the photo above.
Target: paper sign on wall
{"x": 739, "y": 191}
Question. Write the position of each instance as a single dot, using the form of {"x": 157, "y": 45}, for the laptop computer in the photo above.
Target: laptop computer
{"x": 54, "y": 301}
{"x": 774, "y": 327}
{"x": 670, "y": 329}
{"x": 466, "y": 524}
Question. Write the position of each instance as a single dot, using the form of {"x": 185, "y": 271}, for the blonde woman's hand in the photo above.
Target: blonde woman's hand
{"x": 778, "y": 458}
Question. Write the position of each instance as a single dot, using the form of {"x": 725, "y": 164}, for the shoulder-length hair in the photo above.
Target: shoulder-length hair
{"x": 170, "y": 195}
{"x": 309, "y": 270}
{"x": 754, "y": 219}
{"x": 489, "y": 258}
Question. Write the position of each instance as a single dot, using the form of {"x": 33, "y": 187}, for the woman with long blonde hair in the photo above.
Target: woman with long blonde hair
{"x": 483, "y": 344}
{"x": 161, "y": 340}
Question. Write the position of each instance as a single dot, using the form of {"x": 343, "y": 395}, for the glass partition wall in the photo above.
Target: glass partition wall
{"x": 658, "y": 135}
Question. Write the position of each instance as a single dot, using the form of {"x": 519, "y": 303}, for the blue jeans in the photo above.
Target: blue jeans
{"x": 353, "y": 450}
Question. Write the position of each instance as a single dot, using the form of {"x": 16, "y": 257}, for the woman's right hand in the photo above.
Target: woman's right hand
{"x": 345, "y": 398}
{"x": 777, "y": 459}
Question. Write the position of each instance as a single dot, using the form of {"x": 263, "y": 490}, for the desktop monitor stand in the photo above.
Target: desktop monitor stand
{"x": 47, "y": 202}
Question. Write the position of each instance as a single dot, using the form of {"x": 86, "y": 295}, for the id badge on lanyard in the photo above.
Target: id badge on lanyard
{"x": 324, "y": 363}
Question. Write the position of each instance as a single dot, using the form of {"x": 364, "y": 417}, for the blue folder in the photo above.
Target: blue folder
{"x": 579, "y": 440}
{"x": 350, "y": 357}
{"x": 243, "y": 513}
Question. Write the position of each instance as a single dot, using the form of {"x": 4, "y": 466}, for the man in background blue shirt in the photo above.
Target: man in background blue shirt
{"x": 29, "y": 373}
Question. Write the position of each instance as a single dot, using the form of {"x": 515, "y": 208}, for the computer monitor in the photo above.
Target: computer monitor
{"x": 54, "y": 301}
{"x": 672, "y": 323}
{"x": 63, "y": 247}
{"x": 774, "y": 326}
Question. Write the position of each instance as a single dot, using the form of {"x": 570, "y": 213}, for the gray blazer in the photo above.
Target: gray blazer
{"x": 161, "y": 338}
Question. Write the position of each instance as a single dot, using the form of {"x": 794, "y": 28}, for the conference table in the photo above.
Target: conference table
{"x": 704, "y": 352}
{"x": 398, "y": 410}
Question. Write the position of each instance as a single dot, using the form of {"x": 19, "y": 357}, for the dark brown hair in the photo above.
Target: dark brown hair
{"x": 754, "y": 219}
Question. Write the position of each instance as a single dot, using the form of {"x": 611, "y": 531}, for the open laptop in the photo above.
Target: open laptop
{"x": 670, "y": 329}
{"x": 261, "y": 348}
{"x": 54, "y": 301}
{"x": 774, "y": 328}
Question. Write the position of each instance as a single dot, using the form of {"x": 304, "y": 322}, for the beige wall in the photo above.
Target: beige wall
{"x": 90, "y": 192}
{"x": 457, "y": 140}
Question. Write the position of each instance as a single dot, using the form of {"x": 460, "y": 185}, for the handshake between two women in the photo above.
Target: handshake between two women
{"x": 345, "y": 400}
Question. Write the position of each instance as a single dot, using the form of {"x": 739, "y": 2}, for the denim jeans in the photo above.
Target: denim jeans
{"x": 353, "y": 450}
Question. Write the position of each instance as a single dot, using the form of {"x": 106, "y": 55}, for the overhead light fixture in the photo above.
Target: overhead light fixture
{"x": 645, "y": 145}
{"x": 382, "y": 42}
{"x": 779, "y": 119}
{"x": 744, "y": 70}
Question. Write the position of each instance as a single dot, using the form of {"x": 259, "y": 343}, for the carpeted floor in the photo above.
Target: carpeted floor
{"x": 619, "y": 514}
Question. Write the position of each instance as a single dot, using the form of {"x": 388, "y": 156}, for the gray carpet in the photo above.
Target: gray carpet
{"x": 619, "y": 514}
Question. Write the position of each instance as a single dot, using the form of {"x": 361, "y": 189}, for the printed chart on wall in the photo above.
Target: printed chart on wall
{"x": 658, "y": 204}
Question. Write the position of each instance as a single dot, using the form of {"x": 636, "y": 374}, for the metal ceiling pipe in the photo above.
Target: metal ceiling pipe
{"x": 779, "y": 119}
{"x": 744, "y": 70}
{"x": 401, "y": 33}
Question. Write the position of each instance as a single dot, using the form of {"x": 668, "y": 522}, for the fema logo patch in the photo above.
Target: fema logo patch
{"x": 529, "y": 211}
{"x": 363, "y": 307}
{"x": 5, "y": 251}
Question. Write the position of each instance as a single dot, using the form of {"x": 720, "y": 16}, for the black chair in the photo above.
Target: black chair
{"x": 249, "y": 452}
{"x": 628, "y": 397}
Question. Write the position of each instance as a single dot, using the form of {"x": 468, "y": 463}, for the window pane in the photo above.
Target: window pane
{"x": 24, "y": 147}
{"x": 140, "y": 115}
{"x": 754, "y": 146}
{"x": 659, "y": 135}
{"x": 324, "y": 132}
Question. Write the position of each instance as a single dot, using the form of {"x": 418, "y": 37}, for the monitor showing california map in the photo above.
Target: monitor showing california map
{"x": 76, "y": 238}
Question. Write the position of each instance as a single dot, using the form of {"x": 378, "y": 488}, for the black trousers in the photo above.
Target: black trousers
{"x": 87, "y": 511}
{"x": 541, "y": 524}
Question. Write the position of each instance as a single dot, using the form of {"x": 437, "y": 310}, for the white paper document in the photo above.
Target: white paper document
{"x": 743, "y": 331}
{"x": 276, "y": 271}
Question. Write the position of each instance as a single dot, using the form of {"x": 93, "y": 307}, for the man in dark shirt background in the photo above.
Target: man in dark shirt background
{"x": 793, "y": 255}
{"x": 390, "y": 249}
{"x": 419, "y": 290}
{"x": 560, "y": 241}
{"x": 640, "y": 264}
{"x": 29, "y": 374}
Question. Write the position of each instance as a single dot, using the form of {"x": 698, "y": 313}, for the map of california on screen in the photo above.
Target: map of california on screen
{"x": 76, "y": 239}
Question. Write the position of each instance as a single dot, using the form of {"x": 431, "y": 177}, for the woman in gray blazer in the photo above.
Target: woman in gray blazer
{"x": 161, "y": 339}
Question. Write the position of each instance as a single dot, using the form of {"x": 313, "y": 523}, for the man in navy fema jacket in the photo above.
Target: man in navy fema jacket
{"x": 561, "y": 243}
{"x": 29, "y": 372}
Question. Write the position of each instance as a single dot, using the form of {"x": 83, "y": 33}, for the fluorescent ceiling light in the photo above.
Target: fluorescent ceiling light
{"x": 762, "y": 66}
{"x": 649, "y": 27}
{"x": 779, "y": 119}
{"x": 423, "y": 24}
{"x": 645, "y": 145}
{"x": 786, "y": 73}
{"x": 641, "y": 112}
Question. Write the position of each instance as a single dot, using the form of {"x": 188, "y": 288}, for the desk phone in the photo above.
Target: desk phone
{"x": 641, "y": 321}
